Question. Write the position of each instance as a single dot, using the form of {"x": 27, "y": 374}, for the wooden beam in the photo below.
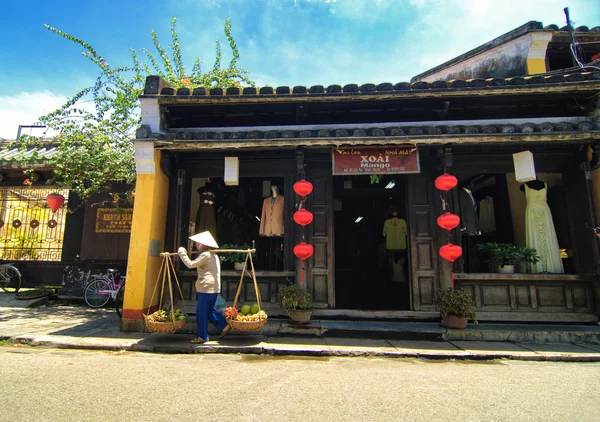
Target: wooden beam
{"x": 388, "y": 140}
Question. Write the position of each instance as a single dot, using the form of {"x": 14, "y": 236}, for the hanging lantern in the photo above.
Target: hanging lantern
{"x": 303, "y": 187}
{"x": 448, "y": 221}
{"x": 303, "y": 250}
{"x": 55, "y": 201}
{"x": 446, "y": 182}
{"x": 303, "y": 217}
{"x": 450, "y": 252}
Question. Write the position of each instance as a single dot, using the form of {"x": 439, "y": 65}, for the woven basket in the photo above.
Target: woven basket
{"x": 165, "y": 327}
{"x": 246, "y": 325}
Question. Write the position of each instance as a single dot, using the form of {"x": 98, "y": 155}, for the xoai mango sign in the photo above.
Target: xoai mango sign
{"x": 376, "y": 160}
{"x": 111, "y": 220}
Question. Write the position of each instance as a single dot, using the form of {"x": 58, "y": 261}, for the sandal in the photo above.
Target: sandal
{"x": 198, "y": 340}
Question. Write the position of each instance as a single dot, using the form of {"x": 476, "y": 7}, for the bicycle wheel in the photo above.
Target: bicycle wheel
{"x": 91, "y": 295}
{"x": 10, "y": 279}
{"x": 119, "y": 301}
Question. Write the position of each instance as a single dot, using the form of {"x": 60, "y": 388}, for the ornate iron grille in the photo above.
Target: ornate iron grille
{"x": 29, "y": 229}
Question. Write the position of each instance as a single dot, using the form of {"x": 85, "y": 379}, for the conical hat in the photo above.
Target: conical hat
{"x": 205, "y": 238}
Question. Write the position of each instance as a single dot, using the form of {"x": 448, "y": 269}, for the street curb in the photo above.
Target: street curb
{"x": 281, "y": 351}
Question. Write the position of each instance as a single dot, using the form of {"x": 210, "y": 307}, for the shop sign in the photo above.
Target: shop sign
{"x": 111, "y": 220}
{"x": 376, "y": 160}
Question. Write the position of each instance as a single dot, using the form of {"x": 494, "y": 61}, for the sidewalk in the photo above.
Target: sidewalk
{"x": 80, "y": 327}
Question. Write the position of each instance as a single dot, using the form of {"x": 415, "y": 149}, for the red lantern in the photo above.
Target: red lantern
{"x": 55, "y": 201}
{"x": 303, "y": 250}
{"x": 446, "y": 182}
{"x": 450, "y": 252}
{"x": 303, "y": 217}
{"x": 303, "y": 187}
{"x": 448, "y": 221}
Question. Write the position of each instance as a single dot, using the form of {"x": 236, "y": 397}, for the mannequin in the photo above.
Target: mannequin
{"x": 206, "y": 216}
{"x": 539, "y": 229}
{"x": 271, "y": 221}
{"x": 394, "y": 231}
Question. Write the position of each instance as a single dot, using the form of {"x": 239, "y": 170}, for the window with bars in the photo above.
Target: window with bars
{"x": 29, "y": 229}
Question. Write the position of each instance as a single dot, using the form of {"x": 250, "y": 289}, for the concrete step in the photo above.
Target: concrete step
{"x": 427, "y": 331}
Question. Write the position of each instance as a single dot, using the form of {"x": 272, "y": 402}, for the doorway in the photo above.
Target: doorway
{"x": 372, "y": 271}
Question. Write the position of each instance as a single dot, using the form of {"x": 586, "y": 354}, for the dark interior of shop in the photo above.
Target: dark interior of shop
{"x": 238, "y": 213}
{"x": 367, "y": 275}
{"x": 492, "y": 206}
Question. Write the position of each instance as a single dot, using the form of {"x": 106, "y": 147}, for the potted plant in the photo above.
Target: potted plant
{"x": 529, "y": 256}
{"x": 237, "y": 258}
{"x": 455, "y": 306}
{"x": 297, "y": 302}
{"x": 504, "y": 256}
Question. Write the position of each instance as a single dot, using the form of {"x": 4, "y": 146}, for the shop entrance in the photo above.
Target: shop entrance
{"x": 372, "y": 271}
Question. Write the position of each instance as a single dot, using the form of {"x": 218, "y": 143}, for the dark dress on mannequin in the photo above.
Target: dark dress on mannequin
{"x": 206, "y": 216}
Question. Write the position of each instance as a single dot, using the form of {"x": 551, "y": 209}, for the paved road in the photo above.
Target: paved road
{"x": 57, "y": 385}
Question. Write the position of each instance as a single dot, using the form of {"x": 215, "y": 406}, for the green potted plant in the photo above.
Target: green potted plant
{"x": 297, "y": 302}
{"x": 237, "y": 258}
{"x": 529, "y": 256}
{"x": 455, "y": 306}
{"x": 504, "y": 256}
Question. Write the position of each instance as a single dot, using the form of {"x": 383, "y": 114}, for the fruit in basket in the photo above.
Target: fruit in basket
{"x": 254, "y": 309}
{"x": 165, "y": 316}
{"x": 231, "y": 312}
{"x": 246, "y": 309}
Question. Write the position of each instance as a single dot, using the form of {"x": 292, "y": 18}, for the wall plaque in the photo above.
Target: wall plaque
{"x": 111, "y": 220}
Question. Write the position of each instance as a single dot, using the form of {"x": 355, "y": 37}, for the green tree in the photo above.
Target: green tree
{"x": 94, "y": 147}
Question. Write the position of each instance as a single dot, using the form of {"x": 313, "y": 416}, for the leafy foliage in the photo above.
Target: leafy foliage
{"x": 508, "y": 254}
{"x": 94, "y": 147}
{"x": 234, "y": 256}
{"x": 454, "y": 302}
{"x": 293, "y": 297}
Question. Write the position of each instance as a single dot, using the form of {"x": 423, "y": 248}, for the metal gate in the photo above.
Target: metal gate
{"x": 29, "y": 230}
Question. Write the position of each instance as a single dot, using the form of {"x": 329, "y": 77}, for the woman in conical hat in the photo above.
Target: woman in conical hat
{"x": 208, "y": 284}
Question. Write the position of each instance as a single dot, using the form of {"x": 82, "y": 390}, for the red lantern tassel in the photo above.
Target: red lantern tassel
{"x": 452, "y": 278}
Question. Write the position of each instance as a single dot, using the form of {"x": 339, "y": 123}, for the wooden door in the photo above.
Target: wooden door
{"x": 320, "y": 267}
{"x": 423, "y": 249}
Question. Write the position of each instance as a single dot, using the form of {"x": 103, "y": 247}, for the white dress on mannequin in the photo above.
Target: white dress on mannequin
{"x": 540, "y": 233}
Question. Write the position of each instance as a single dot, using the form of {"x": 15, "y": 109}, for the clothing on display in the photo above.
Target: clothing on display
{"x": 206, "y": 216}
{"x": 271, "y": 220}
{"x": 487, "y": 216}
{"x": 398, "y": 271}
{"x": 469, "y": 221}
{"x": 394, "y": 231}
{"x": 540, "y": 232}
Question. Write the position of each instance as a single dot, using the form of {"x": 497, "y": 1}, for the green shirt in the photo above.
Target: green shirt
{"x": 394, "y": 231}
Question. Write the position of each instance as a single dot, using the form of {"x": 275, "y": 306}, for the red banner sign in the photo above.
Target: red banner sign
{"x": 376, "y": 160}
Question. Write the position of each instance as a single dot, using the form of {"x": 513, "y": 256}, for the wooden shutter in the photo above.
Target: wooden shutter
{"x": 423, "y": 250}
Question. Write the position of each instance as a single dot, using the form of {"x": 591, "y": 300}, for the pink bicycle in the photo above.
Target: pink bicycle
{"x": 103, "y": 288}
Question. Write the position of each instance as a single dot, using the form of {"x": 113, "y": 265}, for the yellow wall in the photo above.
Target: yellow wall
{"x": 149, "y": 223}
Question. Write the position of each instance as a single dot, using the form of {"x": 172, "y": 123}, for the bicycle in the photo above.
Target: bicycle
{"x": 101, "y": 289}
{"x": 10, "y": 278}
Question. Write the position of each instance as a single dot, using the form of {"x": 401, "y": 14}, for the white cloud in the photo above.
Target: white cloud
{"x": 25, "y": 108}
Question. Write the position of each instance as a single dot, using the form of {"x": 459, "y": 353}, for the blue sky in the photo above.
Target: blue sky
{"x": 281, "y": 42}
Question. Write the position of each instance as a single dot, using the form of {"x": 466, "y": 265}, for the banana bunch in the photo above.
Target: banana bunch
{"x": 259, "y": 316}
{"x": 165, "y": 316}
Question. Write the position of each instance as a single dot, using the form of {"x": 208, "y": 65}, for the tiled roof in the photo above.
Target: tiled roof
{"x": 11, "y": 156}
{"x": 396, "y": 131}
{"x": 156, "y": 86}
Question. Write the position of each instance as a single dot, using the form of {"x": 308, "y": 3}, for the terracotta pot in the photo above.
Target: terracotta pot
{"x": 455, "y": 321}
{"x": 300, "y": 316}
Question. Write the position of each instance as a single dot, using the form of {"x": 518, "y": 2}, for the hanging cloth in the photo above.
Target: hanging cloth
{"x": 487, "y": 217}
{"x": 540, "y": 232}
